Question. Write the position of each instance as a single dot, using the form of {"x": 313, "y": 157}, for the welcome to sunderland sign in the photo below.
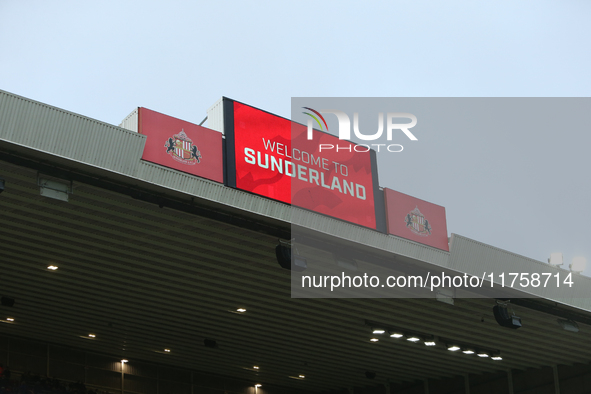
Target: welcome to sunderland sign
{"x": 271, "y": 156}
{"x": 283, "y": 160}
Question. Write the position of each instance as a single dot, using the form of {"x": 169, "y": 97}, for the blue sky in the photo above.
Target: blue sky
{"x": 103, "y": 59}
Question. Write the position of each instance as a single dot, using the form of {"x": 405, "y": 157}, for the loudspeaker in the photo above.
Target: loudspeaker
{"x": 283, "y": 254}
{"x": 7, "y": 301}
{"x": 504, "y": 319}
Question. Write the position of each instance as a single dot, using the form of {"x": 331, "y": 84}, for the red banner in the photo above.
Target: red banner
{"x": 274, "y": 158}
{"x": 181, "y": 145}
{"x": 415, "y": 219}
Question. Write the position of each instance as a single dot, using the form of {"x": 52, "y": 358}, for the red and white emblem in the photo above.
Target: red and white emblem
{"x": 181, "y": 148}
{"x": 417, "y": 223}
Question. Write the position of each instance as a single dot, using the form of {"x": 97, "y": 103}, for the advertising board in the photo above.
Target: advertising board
{"x": 271, "y": 156}
{"x": 181, "y": 145}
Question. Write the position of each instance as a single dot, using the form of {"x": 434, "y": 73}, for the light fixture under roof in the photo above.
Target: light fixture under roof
{"x": 568, "y": 325}
{"x": 302, "y": 376}
{"x": 445, "y": 295}
{"x": 286, "y": 260}
{"x": 91, "y": 335}
{"x": 52, "y": 187}
{"x": 240, "y": 310}
{"x": 346, "y": 263}
{"x": 255, "y": 368}
{"x": 429, "y": 339}
{"x": 503, "y": 317}
{"x": 10, "y": 319}
{"x": 123, "y": 361}
{"x": 52, "y": 267}
{"x": 167, "y": 350}
{"x": 496, "y": 358}
{"x": 258, "y": 385}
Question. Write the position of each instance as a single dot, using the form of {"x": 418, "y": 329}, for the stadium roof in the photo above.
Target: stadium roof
{"x": 151, "y": 258}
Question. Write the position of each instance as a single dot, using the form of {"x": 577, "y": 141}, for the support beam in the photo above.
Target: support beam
{"x": 510, "y": 381}
{"x": 556, "y": 379}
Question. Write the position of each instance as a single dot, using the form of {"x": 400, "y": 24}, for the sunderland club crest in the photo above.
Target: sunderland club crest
{"x": 417, "y": 223}
{"x": 181, "y": 148}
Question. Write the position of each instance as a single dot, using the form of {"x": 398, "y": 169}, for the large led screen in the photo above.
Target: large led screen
{"x": 272, "y": 157}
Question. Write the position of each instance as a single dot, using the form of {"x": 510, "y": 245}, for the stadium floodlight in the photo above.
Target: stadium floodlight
{"x": 429, "y": 340}
{"x": 413, "y": 338}
{"x": 378, "y": 331}
{"x": 482, "y": 354}
{"x": 445, "y": 295}
{"x": 51, "y": 187}
{"x": 568, "y": 325}
{"x": 453, "y": 348}
{"x": 287, "y": 261}
{"x": 496, "y": 357}
{"x": 468, "y": 351}
{"x": 504, "y": 319}
{"x": 579, "y": 264}
{"x": 555, "y": 259}
{"x": 396, "y": 334}
{"x": 346, "y": 263}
